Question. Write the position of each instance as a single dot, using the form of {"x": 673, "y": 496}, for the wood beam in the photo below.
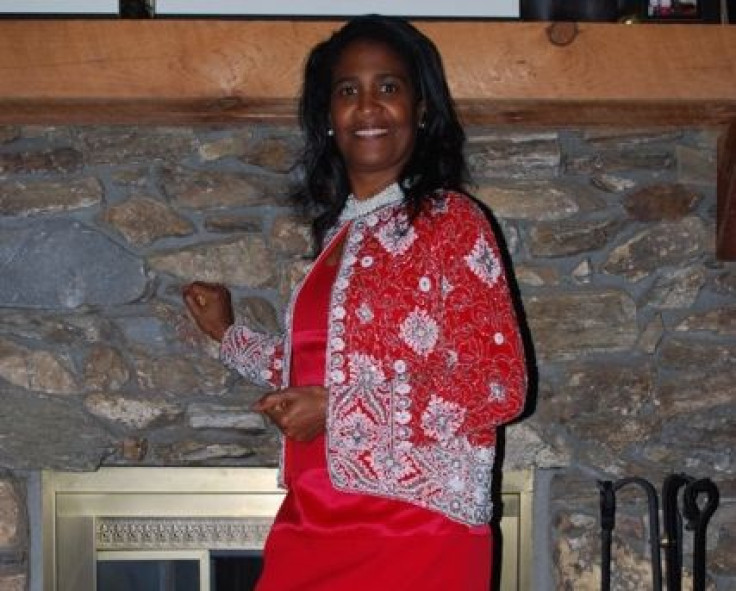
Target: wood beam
{"x": 141, "y": 62}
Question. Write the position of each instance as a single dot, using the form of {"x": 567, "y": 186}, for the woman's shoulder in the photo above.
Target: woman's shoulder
{"x": 455, "y": 207}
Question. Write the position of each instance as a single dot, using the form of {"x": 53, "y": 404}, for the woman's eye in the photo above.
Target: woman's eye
{"x": 389, "y": 87}
{"x": 346, "y": 90}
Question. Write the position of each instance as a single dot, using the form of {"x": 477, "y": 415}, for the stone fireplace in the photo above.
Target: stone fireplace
{"x": 612, "y": 234}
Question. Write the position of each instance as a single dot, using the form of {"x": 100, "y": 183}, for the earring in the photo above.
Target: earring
{"x": 422, "y": 124}
{"x": 330, "y": 132}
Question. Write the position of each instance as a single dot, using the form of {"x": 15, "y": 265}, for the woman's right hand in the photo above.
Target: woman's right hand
{"x": 210, "y": 306}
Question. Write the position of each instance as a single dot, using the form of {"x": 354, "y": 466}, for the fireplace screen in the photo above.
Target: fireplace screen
{"x": 195, "y": 529}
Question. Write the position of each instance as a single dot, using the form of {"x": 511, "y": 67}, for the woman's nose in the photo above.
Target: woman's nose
{"x": 366, "y": 102}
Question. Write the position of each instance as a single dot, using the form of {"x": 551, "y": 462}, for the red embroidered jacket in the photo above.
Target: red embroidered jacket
{"x": 424, "y": 358}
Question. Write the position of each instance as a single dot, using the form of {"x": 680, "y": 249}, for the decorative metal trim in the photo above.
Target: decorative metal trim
{"x": 125, "y": 533}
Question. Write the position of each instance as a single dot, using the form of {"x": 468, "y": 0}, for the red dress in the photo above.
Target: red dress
{"x": 327, "y": 540}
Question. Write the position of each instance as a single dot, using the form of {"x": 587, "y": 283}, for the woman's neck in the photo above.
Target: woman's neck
{"x": 365, "y": 188}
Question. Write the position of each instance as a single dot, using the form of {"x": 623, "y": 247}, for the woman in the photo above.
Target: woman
{"x": 402, "y": 354}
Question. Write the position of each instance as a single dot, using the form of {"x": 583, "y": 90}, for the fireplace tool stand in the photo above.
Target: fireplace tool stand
{"x": 699, "y": 502}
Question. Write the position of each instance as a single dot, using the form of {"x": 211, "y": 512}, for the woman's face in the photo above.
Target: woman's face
{"x": 374, "y": 113}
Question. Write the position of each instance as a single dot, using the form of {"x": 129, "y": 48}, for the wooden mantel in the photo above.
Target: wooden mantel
{"x": 212, "y": 71}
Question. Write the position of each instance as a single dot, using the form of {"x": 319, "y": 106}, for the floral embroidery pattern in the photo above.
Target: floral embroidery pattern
{"x": 396, "y": 236}
{"x": 364, "y": 313}
{"x": 496, "y": 391}
{"x": 420, "y": 332}
{"x": 254, "y": 355}
{"x": 365, "y": 373}
{"x": 483, "y": 262}
{"x": 442, "y": 418}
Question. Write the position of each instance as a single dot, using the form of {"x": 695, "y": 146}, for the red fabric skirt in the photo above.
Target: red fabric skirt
{"x": 327, "y": 540}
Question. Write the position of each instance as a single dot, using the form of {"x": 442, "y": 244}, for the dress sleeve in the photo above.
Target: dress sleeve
{"x": 256, "y": 356}
{"x": 480, "y": 335}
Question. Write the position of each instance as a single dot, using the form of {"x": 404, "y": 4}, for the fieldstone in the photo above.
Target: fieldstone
{"x": 569, "y": 325}
{"x": 259, "y": 314}
{"x": 571, "y": 487}
{"x": 651, "y": 335}
{"x": 583, "y": 272}
{"x": 678, "y": 288}
{"x": 536, "y": 275}
{"x": 508, "y": 239}
{"x": 28, "y": 198}
{"x": 201, "y": 453}
{"x": 13, "y": 581}
{"x": 60, "y": 160}
{"x": 52, "y": 329}
{"x": 722, "y": 559}
{"x": 222, "y": 148}
{"x": 611, "y": 183}
{"x": 690, "y": 354}
{"x": 704, "y": 441}
{"x": 597, "y": 388}
{"x": 130, "y": 412}
{"x": 8, "y": 133}
{"x": 142, "y": 220}
{"x": 695, "y": 392}
{"x": 50, "y": 432}
{"x": 241, "y": 262}
{"x": 11, "y": 514}
{"x": 525, "y": 447}
{"x": 136, "y": 177}
{"x": 662, "y": 245}
{"x": 661, "y": 202}
{"x": 576, "y": 561}
{"x": 180, "y": 376}
{"x": 630, "y": 138}
{"x": 291, "y": 274}
{"x": 105, "y": 369}
{"x": 143, "y": 331}
{"x": 274, "y": 154}
{"x": 721, "y": 322}
{"x": 539, "y": 200}
{"x": 53, "y": 135}
{"x": 63, "y": 264}
{"x": 696, "y": 166}
{"x": 614, "y": 161}
{"x": 214, "y": 416}
{"x": 232, "y": 222}
{"x": 725, "y": 283}
{"x": 125, "y": 145}
{"x": 291, "y": 235}
{"x": 514, "y": 156}
{"x": 210, "y": 189}
{"x": 569, "y": 237}
{"x": 36, "y": 370}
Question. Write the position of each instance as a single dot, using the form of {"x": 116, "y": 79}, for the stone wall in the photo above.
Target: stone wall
{"x": 612, "y": 236}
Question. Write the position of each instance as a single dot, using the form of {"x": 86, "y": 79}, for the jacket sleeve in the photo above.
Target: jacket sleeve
{"x": 256, "y": 356}
{"x": 480, "y": 336}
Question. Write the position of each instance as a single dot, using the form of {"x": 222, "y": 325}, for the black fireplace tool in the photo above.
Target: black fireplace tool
{"x": 699, "y": 500}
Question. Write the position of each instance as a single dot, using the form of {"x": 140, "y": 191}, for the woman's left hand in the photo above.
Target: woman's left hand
{"x": 299, "y": 413}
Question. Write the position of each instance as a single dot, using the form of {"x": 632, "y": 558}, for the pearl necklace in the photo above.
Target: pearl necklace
{"x": 355, "y": 208}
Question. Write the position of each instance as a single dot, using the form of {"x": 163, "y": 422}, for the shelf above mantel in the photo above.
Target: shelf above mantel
{"x": 501, "y": 73}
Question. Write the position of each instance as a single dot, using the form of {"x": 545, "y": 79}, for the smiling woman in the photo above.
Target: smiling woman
{"x": 375, "y": 115}
{"x": 403, "y": 352}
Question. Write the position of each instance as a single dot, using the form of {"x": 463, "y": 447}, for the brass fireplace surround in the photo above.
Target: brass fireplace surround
{"x": 184, "y": 513}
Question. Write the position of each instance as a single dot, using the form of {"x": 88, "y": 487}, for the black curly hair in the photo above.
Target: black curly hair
{"x": 437, "y": 161}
